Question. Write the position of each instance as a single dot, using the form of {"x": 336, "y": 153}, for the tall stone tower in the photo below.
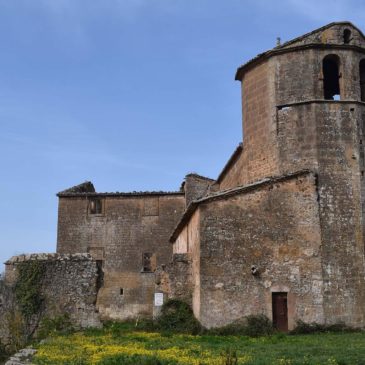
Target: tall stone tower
{"x": 303, "y": 106}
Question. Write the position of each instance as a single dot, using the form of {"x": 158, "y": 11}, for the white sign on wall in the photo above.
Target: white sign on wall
{"x": 158, "y": 299}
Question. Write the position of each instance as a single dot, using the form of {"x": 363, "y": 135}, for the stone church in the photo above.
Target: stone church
{"x": 279, "y": 232}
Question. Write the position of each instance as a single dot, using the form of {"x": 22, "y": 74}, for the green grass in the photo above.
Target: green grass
{"x": 122, "y": 344}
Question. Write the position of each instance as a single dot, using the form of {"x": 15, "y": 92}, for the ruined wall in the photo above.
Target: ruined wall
{"x": 6, "y": 307}
{"x": 276, "y": 228}
{"x": 175, "y": 278}
{"x": 129, "y": 226}
{"x": 68, "y": 286}
{"x": 196, "y": 187}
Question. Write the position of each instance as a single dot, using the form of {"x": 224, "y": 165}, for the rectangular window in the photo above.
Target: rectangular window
{"x": 147, "y": 262}
{"x": 95, "y": 206}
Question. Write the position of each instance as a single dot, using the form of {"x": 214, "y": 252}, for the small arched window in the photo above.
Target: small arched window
{"x": 362, "y": 79}
{"x": 346, "y": 36}
{"x": 331, "y": 77}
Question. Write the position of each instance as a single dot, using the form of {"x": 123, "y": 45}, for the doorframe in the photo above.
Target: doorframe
{"x": 278, "y": 294}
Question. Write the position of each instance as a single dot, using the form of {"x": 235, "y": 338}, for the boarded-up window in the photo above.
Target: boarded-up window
{"x": 150, "y": 207}
{"x": 95, "y": 206}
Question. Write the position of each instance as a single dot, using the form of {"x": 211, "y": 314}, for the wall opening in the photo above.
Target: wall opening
{"x": 280, "y": 311}
{"x": 121, "y": 291}
{"x": 347, "y": 36}
{"x": 331, "y": 77}
{"x": 95, "y": 206}
{"x": 100, "y": 273}
{"x": 362, "y": 79}
{"x": 147, "y": 262}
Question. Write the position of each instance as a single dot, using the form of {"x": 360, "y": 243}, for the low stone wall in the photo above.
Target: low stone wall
{"x": 68, "y": 285}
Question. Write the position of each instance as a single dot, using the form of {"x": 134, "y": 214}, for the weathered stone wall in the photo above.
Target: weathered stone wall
{"x": 68, "y": 286}
{"x": 299, "y": 75}
{"x": 277, "y": 229}
{"x": 6, "y": 306}
{"x": 259, "y": 156}
{"x": 328, "y": 36}
{"x": 289, "y": 76}
{"x": 327, "y": 137}
{"x": 129, "y": 226}
{"x": 175, "y": 278}
{"x": 196, "y": 187}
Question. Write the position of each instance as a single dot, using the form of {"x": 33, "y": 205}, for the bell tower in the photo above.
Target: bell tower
{"x": 303, "y": 106}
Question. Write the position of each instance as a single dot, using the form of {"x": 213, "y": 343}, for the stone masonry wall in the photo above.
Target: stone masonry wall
{"x": 128, "y": 227}
{"x": 196, "y": 187}
{"x": 277, "y": 229}
{"x": 259, "y": 156}
{"x": 175, "y": 278}
{"x": 68, "y": 286}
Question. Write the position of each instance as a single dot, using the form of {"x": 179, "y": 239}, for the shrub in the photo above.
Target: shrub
{"x": 303, "y": 328}
{"x": 28, "y": 288}
{"x": 253, "y": 325}
{"x": 177, "y": 316}
{"x": 17, "y": 331}
{"x": 58, "y": 325}
{"x": 3, "y": 353}
{"x": 258, "y": 325}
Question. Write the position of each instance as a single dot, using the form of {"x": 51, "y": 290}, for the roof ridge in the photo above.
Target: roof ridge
{"x": 284, "y": 47}
{"x": 117, "y": 193}
{"x": 316, "y": 31}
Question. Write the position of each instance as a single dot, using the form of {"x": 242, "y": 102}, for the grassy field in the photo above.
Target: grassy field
{"x": 123, "y": 345}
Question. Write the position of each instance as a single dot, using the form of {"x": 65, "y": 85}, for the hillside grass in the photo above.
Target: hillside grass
{"x": 123, "y": 344}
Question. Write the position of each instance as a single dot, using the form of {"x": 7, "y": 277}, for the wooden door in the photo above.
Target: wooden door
{"x": 280, "y": 311}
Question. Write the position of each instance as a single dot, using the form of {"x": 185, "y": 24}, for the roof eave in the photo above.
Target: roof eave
{"x": 230, "y": 192}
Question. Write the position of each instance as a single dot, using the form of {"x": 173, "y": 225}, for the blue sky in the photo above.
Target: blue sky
{"x": 130, "y": 94}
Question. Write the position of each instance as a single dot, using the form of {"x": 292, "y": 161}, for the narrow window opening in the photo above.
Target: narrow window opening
{"x": 347, "y": 36}
{"x": 100, "y": 275}
{"x": 362, "y": 79}
{"x": 331, "y": 76}
{"x": 121, "y": 292}
{"x": 95, "y": 206}
{"x": 147, "y": 262}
